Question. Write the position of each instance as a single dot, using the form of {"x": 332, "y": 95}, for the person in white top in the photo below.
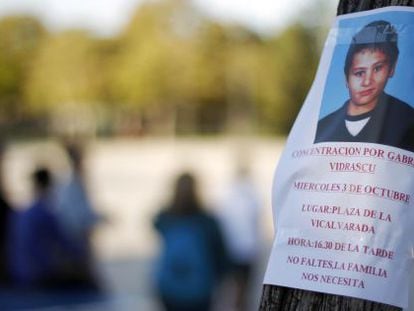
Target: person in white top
{"x": 75, "y": 213}
{"x": 239, "y": 218}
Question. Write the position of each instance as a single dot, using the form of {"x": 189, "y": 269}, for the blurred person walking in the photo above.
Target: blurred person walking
{"x": 193, "y": 258}
{"x": 75, "y": 213}
{"x": 40, "y": 254}
{"x": 239, "y": 219}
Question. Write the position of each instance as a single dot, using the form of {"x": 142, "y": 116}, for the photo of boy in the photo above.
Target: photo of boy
{"x": 370, "y": 115}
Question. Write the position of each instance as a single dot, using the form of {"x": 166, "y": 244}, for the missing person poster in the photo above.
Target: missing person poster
{"x": 343, "y": 191}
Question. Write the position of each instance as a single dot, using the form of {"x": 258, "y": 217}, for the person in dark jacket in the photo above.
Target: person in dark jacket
{"x": 370, "y": 115}
{"x": 39, "y": 251}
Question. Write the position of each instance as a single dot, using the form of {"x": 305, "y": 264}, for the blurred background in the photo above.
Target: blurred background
{"x": 147, "y": 90}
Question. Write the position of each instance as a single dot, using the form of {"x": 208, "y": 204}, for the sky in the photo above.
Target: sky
{"x": 108, "y": 17}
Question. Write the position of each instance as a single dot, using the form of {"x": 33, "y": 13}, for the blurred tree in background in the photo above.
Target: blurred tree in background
{"x": 65, "y": 80}
{"x": 20, "y": 39}
{"x": 289, "y": 64}
{"x": 171, "y": 71}
{"x": 154, "y": 73}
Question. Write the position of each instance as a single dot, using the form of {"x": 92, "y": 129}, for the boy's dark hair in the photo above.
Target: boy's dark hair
{"x": 378, "y": 35}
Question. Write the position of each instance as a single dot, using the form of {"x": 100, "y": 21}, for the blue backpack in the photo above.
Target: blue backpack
{"x": 186, "y": 271}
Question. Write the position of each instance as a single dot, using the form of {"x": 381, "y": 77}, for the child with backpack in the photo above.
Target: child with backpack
{"x": 193, "y": 258}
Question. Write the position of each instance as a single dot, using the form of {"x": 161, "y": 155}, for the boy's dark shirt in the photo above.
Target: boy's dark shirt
{"x": 391, "y": 123}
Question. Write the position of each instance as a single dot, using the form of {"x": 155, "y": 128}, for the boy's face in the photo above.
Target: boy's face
{"x": 367, "y": 77}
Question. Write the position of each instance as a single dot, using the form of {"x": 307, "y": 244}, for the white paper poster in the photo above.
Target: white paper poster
{"x": 343, "y": 191}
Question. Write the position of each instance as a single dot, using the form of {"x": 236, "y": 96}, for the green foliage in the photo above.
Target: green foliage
{"x": 210, "y": 62}
{"x": 211, "y": 73}
{"x": 171, "y": 67}
{"x": 65, "y": 71}
{"x": 20, "y": 37}
{"x": 155, "y": 66}
{"x": 288, "y": 66}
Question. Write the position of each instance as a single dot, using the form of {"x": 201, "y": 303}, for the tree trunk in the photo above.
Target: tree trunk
{"x": 279, "y": 298}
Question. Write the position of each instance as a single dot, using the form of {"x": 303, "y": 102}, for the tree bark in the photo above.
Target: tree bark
{"x": 279, "y": 298}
